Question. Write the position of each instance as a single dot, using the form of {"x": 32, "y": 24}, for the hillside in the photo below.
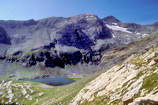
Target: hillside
{"x": 133, "y": 82}
{"x": 118, "y": 55}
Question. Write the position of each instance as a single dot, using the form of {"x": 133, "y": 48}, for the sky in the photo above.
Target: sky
{"x": 138, "y": 11}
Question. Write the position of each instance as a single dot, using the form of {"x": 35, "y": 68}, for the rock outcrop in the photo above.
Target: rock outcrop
{"x": 5, "y": 41}
{"x": 4, "y": 38}
{"x": 13, "y": 93}
{"x": 134, "y": 82}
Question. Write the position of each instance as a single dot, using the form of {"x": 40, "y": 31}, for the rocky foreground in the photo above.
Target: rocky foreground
{"x": 12, "y": 93}
{"x": 135, "y": 82}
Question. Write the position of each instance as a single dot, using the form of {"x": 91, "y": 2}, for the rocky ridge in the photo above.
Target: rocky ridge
{"x": 57, "y": 39}
{"x": 74, "y": 31}
{"x": 86, "y": 31}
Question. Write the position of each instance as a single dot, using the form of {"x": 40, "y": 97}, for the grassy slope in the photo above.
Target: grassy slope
{"x": 64, "y": 94}
{"x": 53, "y": 96}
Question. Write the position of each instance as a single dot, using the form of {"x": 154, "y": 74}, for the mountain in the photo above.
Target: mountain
{"x": 86, "y": 35}
{"x": 132, "y": 82}
{"x": 81, "y": 31}
{"x": 116, "y": 63}
{"x": 78, "y": 31}
{"x": 111, "y": 19}
{"x": 124, "y": 33}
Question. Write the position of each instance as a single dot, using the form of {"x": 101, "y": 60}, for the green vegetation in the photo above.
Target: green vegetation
{"x": 29, "y": 53}
{"x": 153, "y": 35}
{"x": 138, "y": 62}
{"x": 52, "y": 96}
{"x": 17, "y": 92}
{"x": 64, "y": 94}
{"x": 150, "y": 82}
{"x": 103, "y": 100}
{"x": 32, "y": 52}
{"x": 73, "y": 78}
{"x": 116, "y": 102}
{"x": 97, "y": 101}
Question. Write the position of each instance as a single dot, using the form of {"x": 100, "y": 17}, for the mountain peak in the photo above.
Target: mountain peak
{"x": 111, "y": 19}
{"x": 155, "y": 24}
{"x": 85, "y": 16}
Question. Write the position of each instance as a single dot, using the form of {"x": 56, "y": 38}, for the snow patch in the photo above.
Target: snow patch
{"x": 118, "y": 28}
{"x": 138, "y": 33}
{"x": 114, "y": 24}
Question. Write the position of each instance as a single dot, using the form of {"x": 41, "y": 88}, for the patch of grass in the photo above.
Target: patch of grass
{"x": 116, "y": 102}
{"x": 102, "y": 100}
{"x": 138, "y": 62}
{"x": 32, "y": 52}
{"x": 29, "y": 53}
{"x": 150, "y": 82}
{"x": 98, "y": 101}
{"x": 148, "y": 38}
{"x": 73, "y": 78}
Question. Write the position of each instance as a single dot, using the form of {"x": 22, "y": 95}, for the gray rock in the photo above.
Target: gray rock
{"x": 84, "y": 33}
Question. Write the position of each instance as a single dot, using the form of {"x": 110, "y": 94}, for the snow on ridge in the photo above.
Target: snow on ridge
{"x": 118, "y": 28}
{"x": 138, "y": 33}
{"x": 115, "y": 24}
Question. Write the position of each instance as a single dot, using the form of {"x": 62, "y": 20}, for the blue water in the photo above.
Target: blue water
{"x": 7, "y": 69}
{"x": 55, "y": 81}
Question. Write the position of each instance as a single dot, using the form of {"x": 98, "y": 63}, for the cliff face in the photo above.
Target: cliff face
{"x": 134, "y": 82}
{"x": 4, "y": 39}
{"x": 80, "y": 32}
